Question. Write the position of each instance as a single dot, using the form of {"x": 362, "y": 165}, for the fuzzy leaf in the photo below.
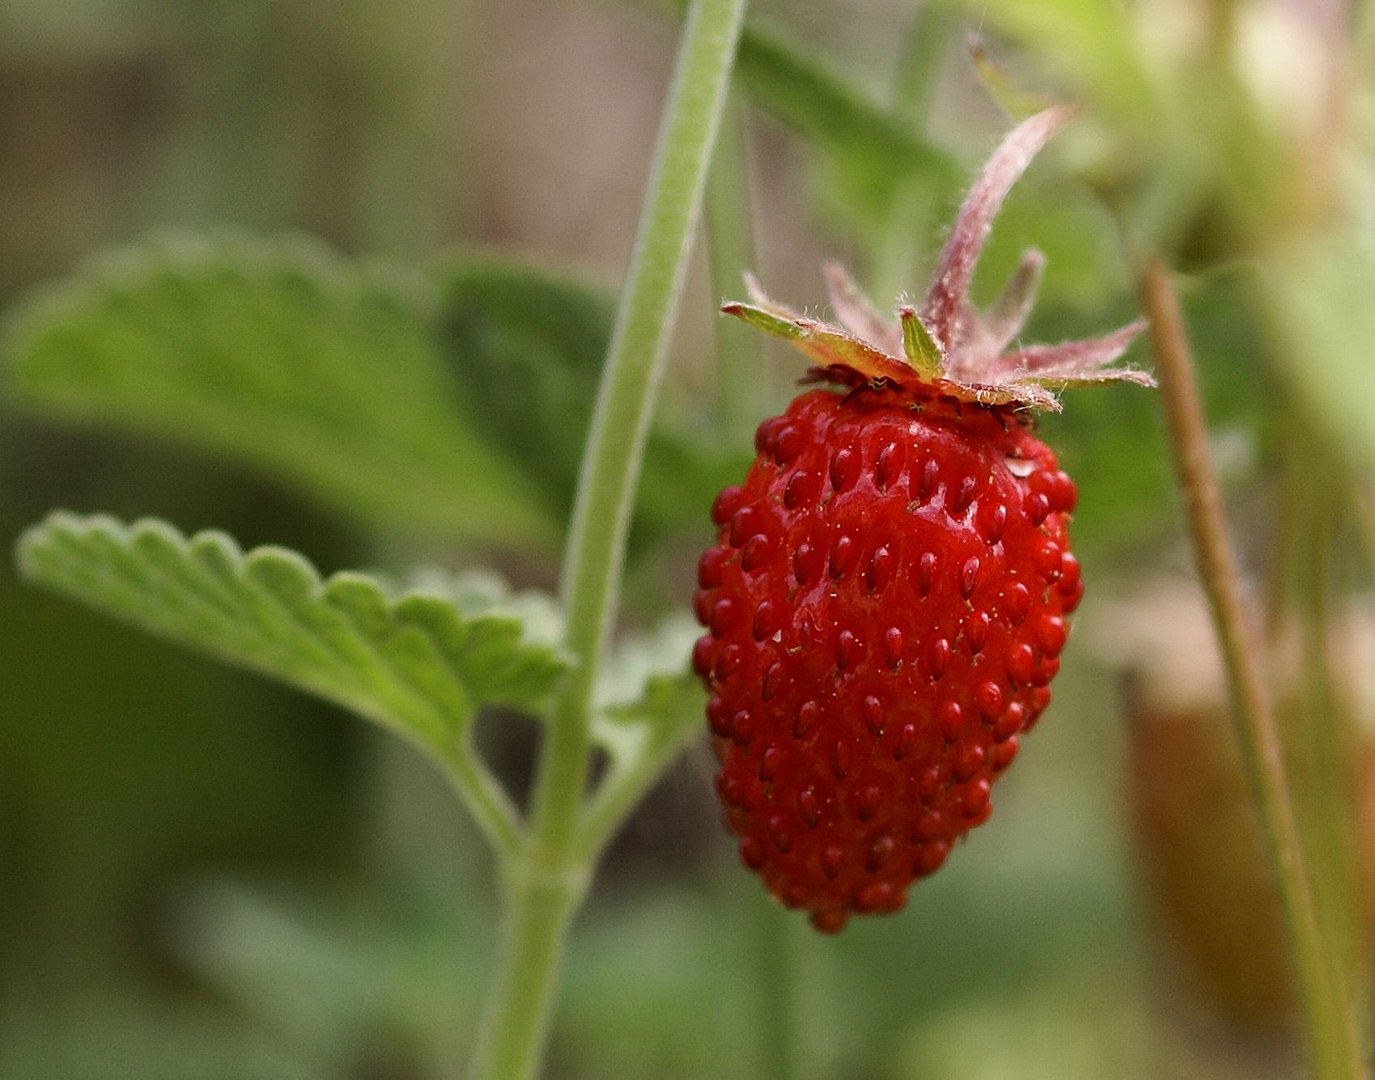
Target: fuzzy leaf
{"x": 648, "y": 680}
{"x": 922, "y": 352}
{"x": 284, "y": 357}
{"x": 531, "y": 344}
{"x": 417, "y": 663}
{"x": 824, "y": 345}
{"x": 649, "y": 707}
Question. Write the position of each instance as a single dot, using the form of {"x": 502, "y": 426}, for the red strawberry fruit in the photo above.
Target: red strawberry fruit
{"x": 886, "y": 601}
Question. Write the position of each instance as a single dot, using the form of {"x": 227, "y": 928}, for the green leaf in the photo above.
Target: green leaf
{"x": 281, "y": 356}
{"x": 1089, "y": 41}
{"x": 648, "y": 680}
{"x": 831, "y": 110}
{"x": 798, "y": 88}
{"x": 1318, "y": 303}
{"x": 648, "y": 708}
{"x": 529, "y": 348}
{"x": 417, "y": 664}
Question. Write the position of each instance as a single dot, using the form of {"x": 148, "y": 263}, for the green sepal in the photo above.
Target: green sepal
{"x": 826, "y": 346}
{"x": 918, "y": 345}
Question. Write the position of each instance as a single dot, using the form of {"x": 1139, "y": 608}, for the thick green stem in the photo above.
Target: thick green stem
{"x": 538, "y": 909}
{"x": 546, "y": 882}
{"x": 1333, "y": 1046}
{"x": 635, "y": 361}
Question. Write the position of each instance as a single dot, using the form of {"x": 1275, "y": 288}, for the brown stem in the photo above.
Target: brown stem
{"x": 1333, "y": 1046}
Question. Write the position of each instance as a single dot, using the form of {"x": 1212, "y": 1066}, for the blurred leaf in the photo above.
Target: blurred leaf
{"x": 683, "y": 472}
{"x": 529, "y": 347}
{"x": 342, "y": 977}
{"x": 879, "y": 170}
{"x": 127, "y": 1031}
{"x": 877, "y": 173}
{"x": 797, "y": 86}
{"x": 649, "y": 681}
{"x": 1088, "y": 41}
{"x": 1054, "y": 1030}
{"x": 1320, "y": 303}
{"x": 1112, "y": 439}
{"x": 646, "y": 980}
{"x": 649, "y": 707}
{"x": 1062, "y": 219}
{"x": 414, "y": 664}
{"x": 281, "y": 356}
{"x": 1002, "y": 86}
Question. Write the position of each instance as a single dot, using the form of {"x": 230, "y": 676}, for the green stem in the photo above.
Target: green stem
{"x": 539, "y": 908}
{"x": 623, "y": 788}
{"x": 485, "y": 800}
{"x": 1333, "y": 1046}
{"x": 779, "y": 990}
{"x": 639, "y": 343}
{"x": 546, "y": 883}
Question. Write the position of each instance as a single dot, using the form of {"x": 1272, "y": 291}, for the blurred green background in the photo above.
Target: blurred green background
{"x": 204, "y": 875}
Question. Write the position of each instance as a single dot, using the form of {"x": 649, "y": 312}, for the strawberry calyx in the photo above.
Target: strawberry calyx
{"x": 948, "y": 347}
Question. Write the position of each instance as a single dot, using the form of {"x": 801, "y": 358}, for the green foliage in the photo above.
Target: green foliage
{"x": 415, "y": 663}
{"x": 1086, "y": 41}
{"x": 648, "y": 708}
{"x": 1321, "y": 306}
{"x": 1112, "y": 439}
{"x": 832, "y": 110}
{"x": 648, "y": 682}
{"x": 528, "y": 347}
{"x": 456, "y": 403}
{"x": 282, "y": 356}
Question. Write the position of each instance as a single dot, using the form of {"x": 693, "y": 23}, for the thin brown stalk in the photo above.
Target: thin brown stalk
{"x": 1334, "y": 1049}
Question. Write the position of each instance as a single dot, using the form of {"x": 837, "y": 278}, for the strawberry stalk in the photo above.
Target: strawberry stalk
{"x": 546, "y": 882}
{"x": 1333, "y": 1046}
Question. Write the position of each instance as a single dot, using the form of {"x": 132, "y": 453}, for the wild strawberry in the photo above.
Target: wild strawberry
{"x": 887, "y": 597}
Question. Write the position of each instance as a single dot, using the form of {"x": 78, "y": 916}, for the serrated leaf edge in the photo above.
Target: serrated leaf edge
{"x": 247, "y": 570}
